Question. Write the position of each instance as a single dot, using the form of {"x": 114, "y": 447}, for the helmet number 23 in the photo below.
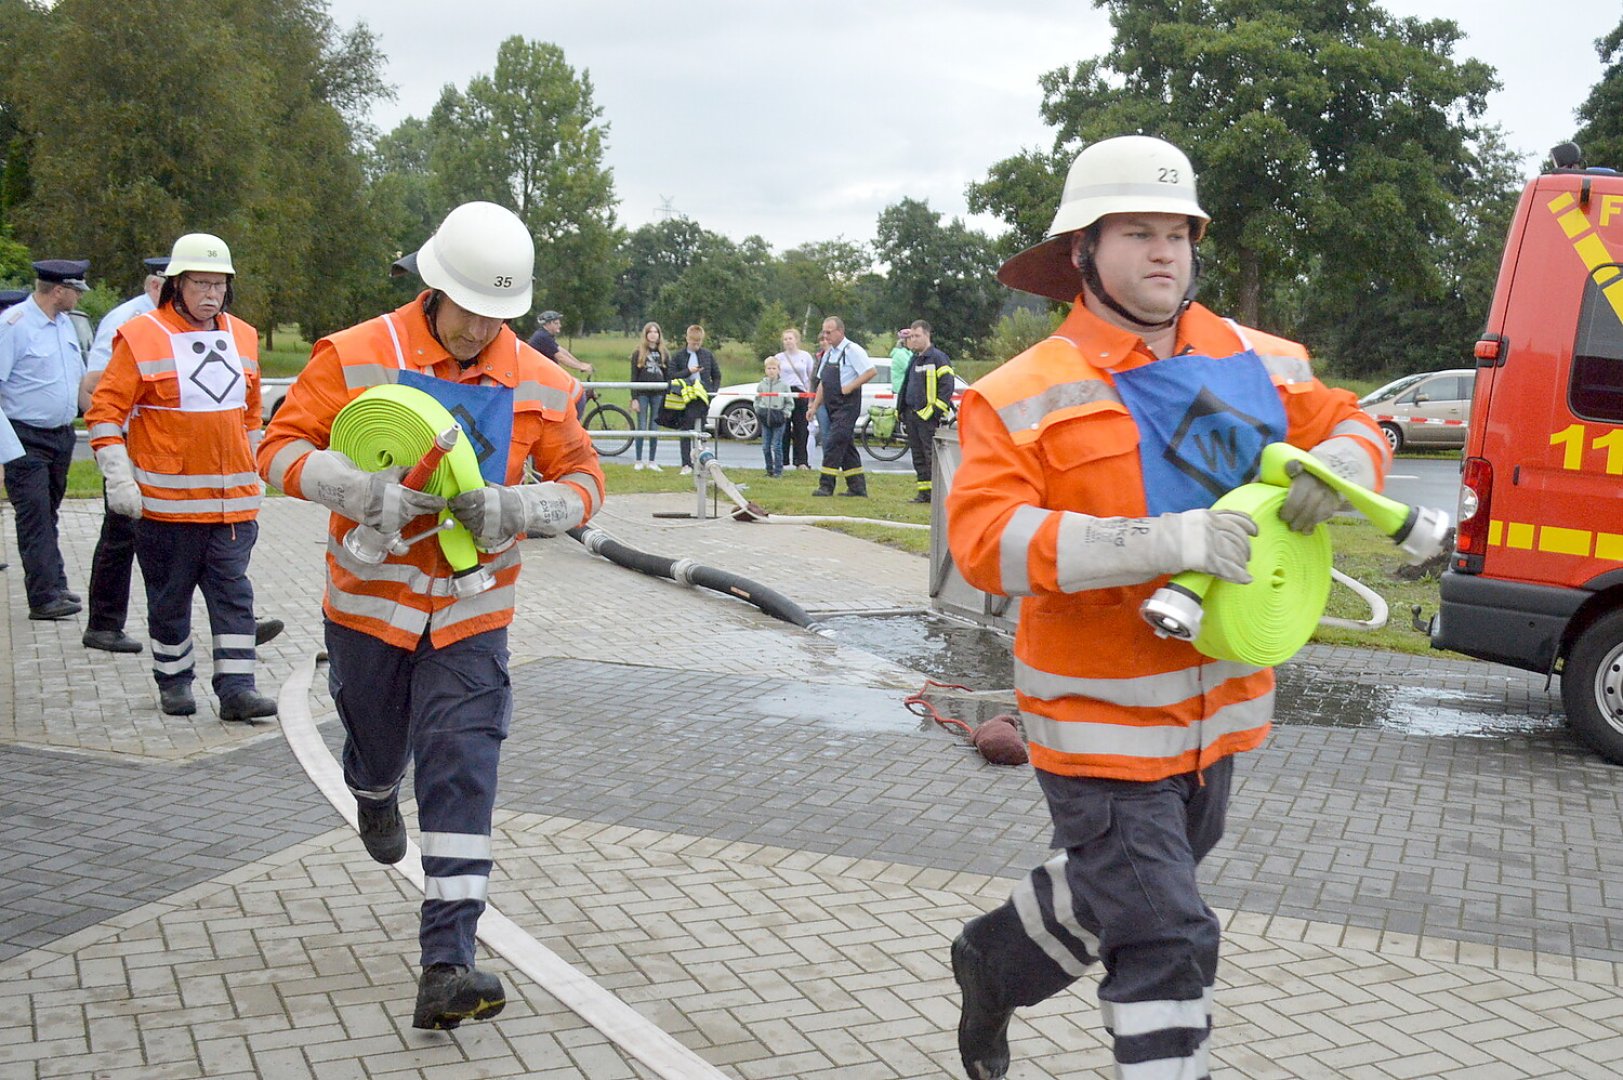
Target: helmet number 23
{"x": 1167, "y": 176}
{"x": 504, "y": 282}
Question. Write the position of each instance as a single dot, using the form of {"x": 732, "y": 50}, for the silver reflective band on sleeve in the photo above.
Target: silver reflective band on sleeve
{"x": 1029, "y": 412}
{"x": 183, "y": 481}
{"x": 361, "y": 376}
{"x": 201, "y": 506}
{"x": 1141, "y": 691}
{"x": 156, "y": 367}
{"x": 1014, "y": 549}
{"x": 588, "y": 482}
{"x": 1353, "y": 429}
{"x": 1288, "y": 369}
{"x": 1161, "y": 741}
{"x": 234, "y": 641}
{"x": 1025, "y": 903}
{"x": 460, "y": 887}
{"x": 283, "y": 460}
{"x": 550, "y": 397}
{"x": 453, "y": 845}
{"x": 1128, "y": 1018}
{"x": 397, "y": 616}
{"x": 105, "y": 431}
{"x": 233, "y": 667}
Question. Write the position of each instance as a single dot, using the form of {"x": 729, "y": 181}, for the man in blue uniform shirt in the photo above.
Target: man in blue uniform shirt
{"x": 41, "y": 363}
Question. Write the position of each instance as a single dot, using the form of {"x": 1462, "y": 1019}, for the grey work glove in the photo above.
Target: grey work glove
{"x": 377, "y": 499}
{"x": 1101, "y": 553}
{"x": 496, "y": 513}
{"x": 1310, "y": 501}
{"x": 118, "y": 480}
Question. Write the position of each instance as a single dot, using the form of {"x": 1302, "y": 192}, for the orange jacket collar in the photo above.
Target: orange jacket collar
{"x": 1105, "y": 345}
{"x": 422, "y": 350}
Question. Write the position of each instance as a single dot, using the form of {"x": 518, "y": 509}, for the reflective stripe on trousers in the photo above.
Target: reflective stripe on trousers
{"x": 446, "y": 711}
{"x": 1121, "y": 889}
{"x": 179, "y": 558}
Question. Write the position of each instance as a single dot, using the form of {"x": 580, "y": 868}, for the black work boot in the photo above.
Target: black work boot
{"x": 383, "y": 831}
{"x": 247, "y": 706}
{"x": 177, "y": 700}
{"x": 448, "y": 994}
{"x": 983, "y": 1023}
{"x": 267, "y": 630}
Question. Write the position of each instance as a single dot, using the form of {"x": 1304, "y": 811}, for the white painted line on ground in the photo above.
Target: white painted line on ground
{"x": 624, "y": 1026}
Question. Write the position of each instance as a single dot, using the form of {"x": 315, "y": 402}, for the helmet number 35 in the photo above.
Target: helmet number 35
{"x": 504, "y": 282}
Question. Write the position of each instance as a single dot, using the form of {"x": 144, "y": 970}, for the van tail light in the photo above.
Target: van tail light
{"x": 1491, "y": 349}
{"x": 1471, "y": 535}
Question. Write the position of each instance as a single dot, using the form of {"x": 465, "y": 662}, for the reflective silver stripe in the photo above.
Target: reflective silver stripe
{"x": 234, "y": 641}
{"x": 398, "y": 616}
{"x": 255, "y": 438}
{"x": 550, "y": 397}
{"x": 105, "y": 431}
{"x": 1065, "y": 907}
{"x": 202, "y": 506}
{"x": 181, "y": 481}
{"x": 418, "y": 581}
{"x": 394, "y": 339}
{"x": 1141, "y": 691}
{"x": 1197, "y": 1066}
{"x": 1288, "y": 369}
{"x": 1028, "y": 413}
{"x": 1353, "y": 429}
{"x": 284, "y": 459}
{"x": 1157, "y": 741}
{"x": 173, "y": 667}
{"x": 1014, "y": 549}
{"x": 459, "y": 887}
{"x": 1128, "y": 1018}
{"x": 375, "y": 794}
{"x": 233, "y": 667}
{"x": 588, "y": 482}
{"x": 492, "y": 602}
{"x": 178, "y": 649}
{"x": 361, "y": 376}
{"x": 455, "y": 845}
{"x": 1024, "y": 899}
{"x": 156, "y": 367}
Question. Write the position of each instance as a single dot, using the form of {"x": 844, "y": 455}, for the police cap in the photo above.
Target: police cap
{"x": 8, "y": 297}
{"x": 69, "y": 272}
{"x": 156, "y": 264}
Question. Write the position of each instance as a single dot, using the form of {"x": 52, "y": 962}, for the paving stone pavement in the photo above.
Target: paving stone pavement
{"x": 734, "y": 825}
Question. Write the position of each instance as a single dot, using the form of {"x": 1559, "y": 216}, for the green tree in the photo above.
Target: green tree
{"x": 529, "y": 136}
{"x": 819, "y": 279}
{"x": 944, "y": 274}
{"x": 720, "y": 290}
{"x": 1601, "y": 136}
{"x": 1331, "y": 139}
{"x": 651, "y": 257}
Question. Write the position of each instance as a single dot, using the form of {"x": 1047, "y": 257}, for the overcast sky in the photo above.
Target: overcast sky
{"x": 802, "y": 121}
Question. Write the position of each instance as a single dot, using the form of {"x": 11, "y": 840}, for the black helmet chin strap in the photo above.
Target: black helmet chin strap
{"x": 1090, "y": 278}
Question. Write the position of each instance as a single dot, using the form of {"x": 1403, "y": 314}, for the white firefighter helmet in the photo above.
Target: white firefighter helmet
{"x": 199, "y": 252}
{"x": 1124, "y": 175}
{"x": 483, "y": 257}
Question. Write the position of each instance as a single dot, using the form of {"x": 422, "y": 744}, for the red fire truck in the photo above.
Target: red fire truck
{"x": 1536, "y": 578}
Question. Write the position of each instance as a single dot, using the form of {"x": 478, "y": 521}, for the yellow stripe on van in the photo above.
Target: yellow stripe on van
{"x": 1519, "y": 534}
{"x": 1609, "y": 546}
{"x": 1559, "y": 541}
{"x": 1561, "y": 202}
{"x": 1496, "y": 533}
{"x": 1572, "y": 222}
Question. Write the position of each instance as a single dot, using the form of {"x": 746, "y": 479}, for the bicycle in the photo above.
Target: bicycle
{"x": 884, "y": 436}
{"x": 607, "y": 417}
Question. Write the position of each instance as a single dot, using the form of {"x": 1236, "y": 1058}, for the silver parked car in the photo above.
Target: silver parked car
{"x": 1431, "y": 409}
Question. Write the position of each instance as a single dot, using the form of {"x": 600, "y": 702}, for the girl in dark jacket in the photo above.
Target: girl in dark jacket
{"x": 648, "y": 365}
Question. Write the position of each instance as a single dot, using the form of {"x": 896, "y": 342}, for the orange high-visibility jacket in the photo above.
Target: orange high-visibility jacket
{"x": 1099, "y": 694}
{"x": 399, "y": 599}
{"x": 192, "y": 465}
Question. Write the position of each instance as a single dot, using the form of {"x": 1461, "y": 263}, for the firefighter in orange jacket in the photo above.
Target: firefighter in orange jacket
{"x": 419, "y": 669}
{"x": 1090, "y": 463}
{"x": 184, "y": 381}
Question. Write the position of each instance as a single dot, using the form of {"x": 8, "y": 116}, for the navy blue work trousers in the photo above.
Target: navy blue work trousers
{"x": 110, "y": 570}
{"x": 1121, "y": 889}
{"x": 36, "y": 484}
{"x": 445, "y": 711}
{"x": 180, "y": 558}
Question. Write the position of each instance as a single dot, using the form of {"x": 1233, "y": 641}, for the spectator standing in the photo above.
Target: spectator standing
{"x": 846, "y": 367}
{"x": 899, "y": 358}
{"x": 41, "y": 366}
{"x": 545, "y": 342}
{"x": 799, "y": 371}
{"x": 709, "y": 375}
{"x": 174, "y": 422}
{"x": 925, "y": 401}
{"x": 648, "y": 365}
{"x": 773, "y": 404}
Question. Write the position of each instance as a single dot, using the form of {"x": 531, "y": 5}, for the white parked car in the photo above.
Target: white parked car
{"x": 732, "y": 408}
{"x": 271, "y": 393}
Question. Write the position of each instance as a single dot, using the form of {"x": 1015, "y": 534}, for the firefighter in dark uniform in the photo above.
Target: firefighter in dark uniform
{"x": 846, "y": 366}
{"x": 926, "y": 401}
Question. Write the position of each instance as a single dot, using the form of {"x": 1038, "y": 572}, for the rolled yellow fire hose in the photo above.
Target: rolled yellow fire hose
{"x": 393, "y": 425}
{"x": 1267, "y": 621}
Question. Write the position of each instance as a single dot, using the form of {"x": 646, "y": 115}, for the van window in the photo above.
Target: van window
{"x": 1596, "y": 391}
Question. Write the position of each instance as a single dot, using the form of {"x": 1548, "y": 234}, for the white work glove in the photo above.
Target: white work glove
{"x": 377, "y": 499}
{"x": 1310, "y": 501}
{"x": 1101, "y": 553}
{"x": 496, "y": 514}
{"x": 118, "y": 479}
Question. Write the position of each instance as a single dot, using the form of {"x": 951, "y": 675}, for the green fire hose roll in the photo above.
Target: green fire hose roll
{"x": 1269, "y": 620}
{"x": 393, "y": 425}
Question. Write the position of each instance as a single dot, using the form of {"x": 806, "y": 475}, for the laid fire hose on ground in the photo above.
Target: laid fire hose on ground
{"x": 393, "y": 425}
{"x": 1268, "y": 620}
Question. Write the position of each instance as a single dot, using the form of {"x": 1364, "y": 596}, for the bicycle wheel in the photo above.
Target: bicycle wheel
{"x": 608, "y": 418}
{"x": 885, "y": 449}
